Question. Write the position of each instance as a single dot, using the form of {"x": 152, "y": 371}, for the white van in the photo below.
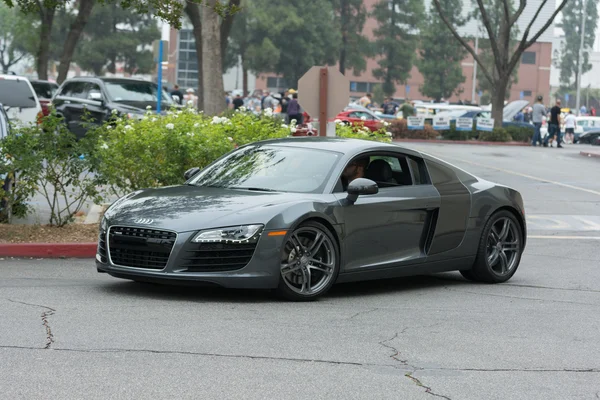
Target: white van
{"x": 19, "y": 99}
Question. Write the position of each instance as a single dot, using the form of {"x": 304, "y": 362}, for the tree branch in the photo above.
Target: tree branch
{"x": 493, "y": 39}
{"x": 482, "y": 67}
{"x": 227, "y": 23}
{"x": 515, "y": 17}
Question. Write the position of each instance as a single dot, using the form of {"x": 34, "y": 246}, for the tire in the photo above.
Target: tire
{"x": 500, "y": 249}
{"x": 310, "y": 251}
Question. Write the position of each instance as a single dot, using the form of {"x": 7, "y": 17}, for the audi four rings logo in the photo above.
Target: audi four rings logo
{"x": 144, "y": 221}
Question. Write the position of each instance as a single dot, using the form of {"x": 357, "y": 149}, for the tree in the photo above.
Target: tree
{"x": 506, "y": 57}
{"x": 440, "y": 54}
{"x": 495, "y": 9}
{"x": 396, "y": 40}
{"x": 355, "y": 47}
{"x": 569, "y": 52}
{"x": 114, "y": 35}
{"x": 291, "y": 36}
{"x": 10, "y": 27}
{"x": 212, "y": 65}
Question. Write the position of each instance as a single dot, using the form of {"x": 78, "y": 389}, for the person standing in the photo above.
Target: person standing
{"x": 570, "y": 122}
{"x": 408, "y": 110}
{"x": 365, "y": 101}
{"x": 554, "y": 126}
{"x": 238, "y": 102}
{"x": 537, "y": 116}
{"x": 177, "y": 95}
{"x": 293, "y": 110}
{"x": 592, "y": 111}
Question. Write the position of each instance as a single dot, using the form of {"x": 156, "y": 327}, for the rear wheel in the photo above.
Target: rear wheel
{"x": 309, "y": 263}
{"x": 499, "y": 252}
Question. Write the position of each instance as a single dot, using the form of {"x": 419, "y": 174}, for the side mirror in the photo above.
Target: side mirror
{"x": 95, "y": 96}
{"x": 361, "y": 186}
{"x": 191, "y": 172}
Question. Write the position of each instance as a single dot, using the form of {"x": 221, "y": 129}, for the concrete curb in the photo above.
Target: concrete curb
{"x": 473, "y": 142}
{"x": 590, "y": 153}
{"x": 48, "y": 250}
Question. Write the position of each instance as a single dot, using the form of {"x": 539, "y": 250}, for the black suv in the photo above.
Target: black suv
{"x": 103, "y": 97}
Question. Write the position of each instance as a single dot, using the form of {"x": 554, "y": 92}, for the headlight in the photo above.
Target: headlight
{"x": 232, "y": 234}
{"x": 103, "y": 224}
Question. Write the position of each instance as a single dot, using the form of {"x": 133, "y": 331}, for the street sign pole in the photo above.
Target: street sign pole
{"x": 160, "y": 58}
{"x": 323, "y": 78}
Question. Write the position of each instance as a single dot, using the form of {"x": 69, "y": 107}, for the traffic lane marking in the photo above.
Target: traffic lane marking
{"x": 564, "y": 237}
{"x": 563, "y": 222}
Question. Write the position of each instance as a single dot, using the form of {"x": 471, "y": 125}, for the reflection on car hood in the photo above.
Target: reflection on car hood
{"x": 186, "y": 208}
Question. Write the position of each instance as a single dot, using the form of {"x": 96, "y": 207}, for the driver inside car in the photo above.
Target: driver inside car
{"x": 356, "y": 169}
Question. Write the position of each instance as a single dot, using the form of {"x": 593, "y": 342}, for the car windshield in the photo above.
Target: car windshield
{"x": 271, "y": 168}
{"x": 582, "y": 123}
{"x": 44, "y": 90}
{"x": 16, "y": 94}
{"x": 135, "y": 92}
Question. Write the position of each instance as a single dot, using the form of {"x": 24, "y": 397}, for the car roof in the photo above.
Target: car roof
{"x": 105, "y": 79}
{"x": 337, "y": 144}
{"x": 11, "y": 77}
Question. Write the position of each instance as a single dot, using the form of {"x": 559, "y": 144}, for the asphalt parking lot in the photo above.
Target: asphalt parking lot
{"x": 67, "y": 332}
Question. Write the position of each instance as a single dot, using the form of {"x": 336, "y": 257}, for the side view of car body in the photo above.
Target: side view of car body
{"x": 44, "y": 90}
{"x": 359, "y": 117}
{"x": 282, "y": 214}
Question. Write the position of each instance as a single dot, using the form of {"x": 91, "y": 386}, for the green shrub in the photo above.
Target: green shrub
{"x": 497, "y": 135}
{"x": 399, "y": 130}
{"x": 520, "y": 134}
{"x": 361, "y": 132}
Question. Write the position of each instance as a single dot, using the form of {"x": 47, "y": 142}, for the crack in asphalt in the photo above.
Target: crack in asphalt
{"x": 519, "y": 297}
{"x": 45, "y": 315}
{"x": 527, "y": 286}
{"x": 427, "y": 388}
{"x": 363, "y": 312}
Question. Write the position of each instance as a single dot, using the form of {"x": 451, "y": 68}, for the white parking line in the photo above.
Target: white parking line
{"x": 529, "y": 176}
{"x": 564, "y": 237}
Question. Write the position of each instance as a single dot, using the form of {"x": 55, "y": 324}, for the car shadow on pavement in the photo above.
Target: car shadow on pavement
{"x": 422, "y": 283}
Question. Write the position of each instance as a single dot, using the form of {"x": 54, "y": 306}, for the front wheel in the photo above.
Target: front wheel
{"x": 500, "y": 249}
{"x": 309, "y": 263}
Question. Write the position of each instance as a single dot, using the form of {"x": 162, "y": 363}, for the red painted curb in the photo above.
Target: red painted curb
{"x": 589, "y": 154}
{"x": 474, "y": 142}
{"x": 48, "y": 250}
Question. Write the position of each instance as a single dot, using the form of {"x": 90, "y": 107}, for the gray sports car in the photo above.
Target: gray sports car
{"x": 300, "y": 214}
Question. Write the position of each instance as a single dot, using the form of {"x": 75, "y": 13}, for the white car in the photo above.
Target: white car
{"x": 19, "y": 99}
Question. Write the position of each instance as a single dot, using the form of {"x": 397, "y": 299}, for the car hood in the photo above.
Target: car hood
{"x": 187, "y": 208}
{"x": 513, "y": 108}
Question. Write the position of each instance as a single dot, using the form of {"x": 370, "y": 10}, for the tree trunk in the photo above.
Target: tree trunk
{"x": 244, "y": 77}
{"x": 498, "y": 97}
{"x": 43, "y": 53}
{"x": 85, "y": 9}
{"x": 212, "y": 67}
{"x": 193, "y": 12}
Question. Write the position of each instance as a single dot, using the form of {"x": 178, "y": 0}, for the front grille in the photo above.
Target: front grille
{"x": 140, "y": 247}
{"x": 207, "y": 257}
{"x": 102, "y": 247}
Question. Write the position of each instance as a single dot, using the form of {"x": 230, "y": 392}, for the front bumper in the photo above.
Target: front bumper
{"x": 261, "y": 272}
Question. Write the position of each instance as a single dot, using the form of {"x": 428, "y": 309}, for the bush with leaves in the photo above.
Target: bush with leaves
{"x": 49, "y": 160}
{"x": 362, "y": 132}
{"x": 520, "y": 133}
{"x": 497, "y": 135}
{"x": 399, "y": 130}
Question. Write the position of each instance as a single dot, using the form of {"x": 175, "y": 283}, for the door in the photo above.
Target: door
{"x": 69, "y": 103}
{"x": 392, "y": 228}
{"x": 94, "y": 104}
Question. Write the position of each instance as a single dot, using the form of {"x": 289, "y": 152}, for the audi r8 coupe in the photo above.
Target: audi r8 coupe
{"x": 300, "y": 214}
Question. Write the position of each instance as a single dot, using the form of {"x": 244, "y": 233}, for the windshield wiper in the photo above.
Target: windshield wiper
{"x": 256, "y": 189}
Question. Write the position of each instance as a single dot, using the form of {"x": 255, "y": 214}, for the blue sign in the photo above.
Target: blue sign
{"x": 353, "y": 87}
{"x": 522, "y": 95}
{"x": 480, "y": 93}
{"x": 567, "y": 97}
{"x": 407, "y": 89}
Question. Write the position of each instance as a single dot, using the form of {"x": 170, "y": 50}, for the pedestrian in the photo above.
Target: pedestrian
{"x": 570, "y": 122}
{"x": 592, "y": 111}
{"x": 389, "y": 107}
{"x": 527, "y": 115}
{"x": 408, "y": 109}
{"x": 583, "y": 110}
{"x": 238, "y": 102}
{"x": 537, "y": 116}
{"x": 365, "y": 101}
{"x": 269, "y": 102}
{"x": 554, "y": 126}
{"x": 190, "y": 97}
{"x": 520, "y": 117}
{"x": 293, "y": 110}
{"x": 177, "y": 94}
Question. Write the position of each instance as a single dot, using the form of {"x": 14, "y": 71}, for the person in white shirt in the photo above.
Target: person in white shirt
{"x": 570, "y": 122}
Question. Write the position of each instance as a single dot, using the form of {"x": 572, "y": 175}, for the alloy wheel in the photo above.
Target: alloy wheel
{"x": 309, "y": 261}
{"x": 503, "y": 246}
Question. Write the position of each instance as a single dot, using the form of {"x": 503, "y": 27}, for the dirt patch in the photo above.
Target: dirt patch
{"x": 73, "y": 233}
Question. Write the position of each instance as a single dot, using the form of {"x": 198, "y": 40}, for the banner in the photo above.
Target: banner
{"x": 485, "y": 124}
{"x": 464, "y": 124}
{"x": 441, "y": 123}
{"x": 415, "y": 123}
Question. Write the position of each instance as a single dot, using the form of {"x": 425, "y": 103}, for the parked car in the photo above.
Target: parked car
{"x": 45, "y": 90}
{"x": 356, "y": 116}
{"x": 589, "y": 136}
{"x": 103, "y": 97}
{"x": 19, "y": 99}
{"x": 585, "y": 124}
{"x": 292, "y": 220}
{"x": 5, "y": 179}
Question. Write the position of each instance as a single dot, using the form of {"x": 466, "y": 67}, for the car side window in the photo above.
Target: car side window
{"x": 92, "y": 91}
{"x": 74, "y": 89}
{"x": 418, "y": 171}
{"x": 387, "y": 170}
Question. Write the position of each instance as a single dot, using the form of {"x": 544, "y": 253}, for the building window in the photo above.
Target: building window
{"x": 187, "y": 65}
{"x": 528, "y": 57}
{"x": 364, "y": 87}
{"x": 526, "y": 93}
{"x": 275, "y": 84}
